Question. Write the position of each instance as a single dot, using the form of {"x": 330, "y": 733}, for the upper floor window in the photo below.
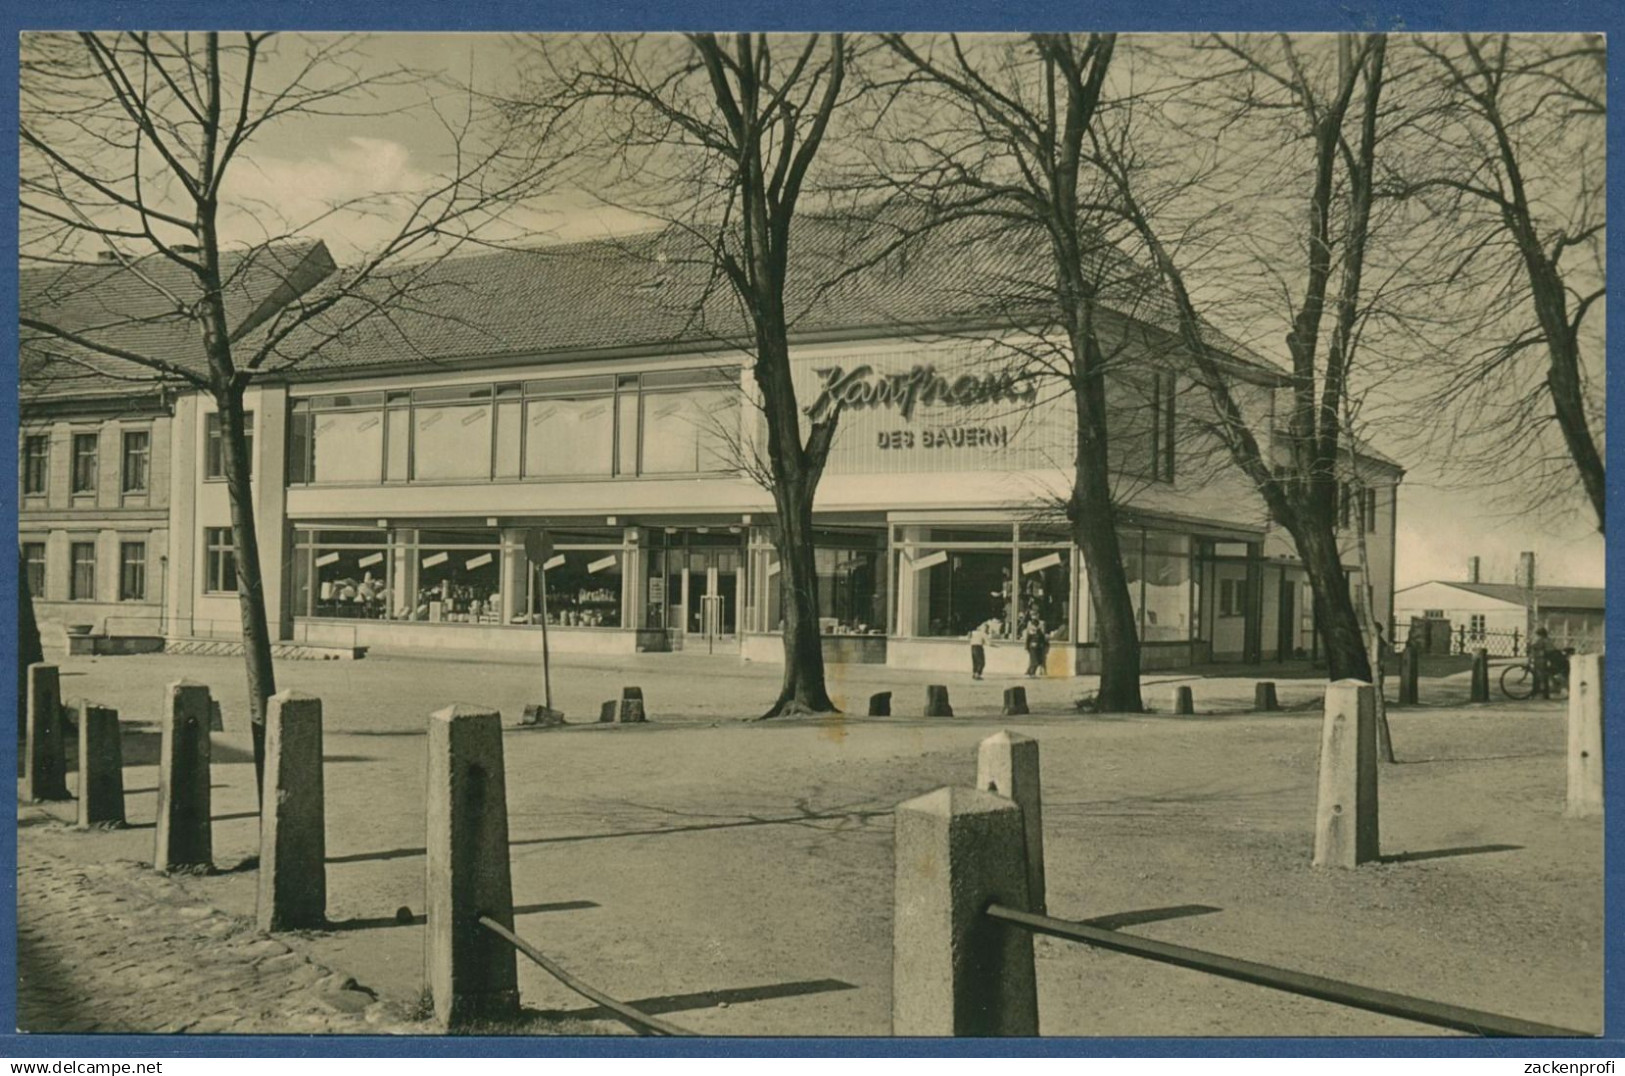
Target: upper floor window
{"x": 34, "y": 568}
{"x": 220, "y": 565}
{"x": 214, "y": 446}
{"x": 137, "y": 458}
{"x": 84, "y": 462}
{"x": 36, "y": 463}
{"x": 1142, "y": 413}
{"x": 132, "y": 577}
{"x": 1356, "y": 506}
{"x": 677, "y": 422}
{"x": 82, "y": 583}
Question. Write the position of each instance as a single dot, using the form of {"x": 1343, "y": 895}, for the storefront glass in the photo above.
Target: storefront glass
{"x": 584, "y": 580}
{"x": 459, "y": 577}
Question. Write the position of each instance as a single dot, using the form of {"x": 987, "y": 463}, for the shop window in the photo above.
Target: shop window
{"x": 34, "y": 568}
{"x": 583, "y": 587}
{"x": 132, "y": 574}
{"x": 458, "y": 577}
{"x": 84, "y": 462}
{"x": 137, "y": 457}
{"x": 82, "y": 581}
{"x": 36, "y": 464}
{"x": 1166, "y": 580}
{"x": 569, "y": 427}
{"x": 220, "y": 561}
{"x": 214, "y": 448}
{"x": 955, "y": 583}
{"x": 348, "y": 576}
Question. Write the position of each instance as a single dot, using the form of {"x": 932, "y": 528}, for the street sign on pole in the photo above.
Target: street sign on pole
{"x": 539, "y": 551}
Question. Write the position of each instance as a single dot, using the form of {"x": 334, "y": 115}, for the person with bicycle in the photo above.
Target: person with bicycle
{"x": 1541, "y": 662}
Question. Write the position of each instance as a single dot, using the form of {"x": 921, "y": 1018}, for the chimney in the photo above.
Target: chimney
{"x": 1472, "y": 569}
{"x": 1526, "y": 570}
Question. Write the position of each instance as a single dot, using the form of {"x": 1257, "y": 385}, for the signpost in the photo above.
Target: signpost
{"x": 539, "y": 551}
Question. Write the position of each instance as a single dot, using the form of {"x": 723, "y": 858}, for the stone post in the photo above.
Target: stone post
{"x": 632, "y": 712}
{"x": 1586, "y": 682}
{"x": 1015, "y": 701}
{"x": 936, "y": 701}
{"x": 955, "y": 970}
{"x": 1184, "y": 704}
{"x": 184, "y": 837}
{"x": 1410, "y": 671}
{"x": 293, "y": 835}
{"x": 1007, "y": 764}
{"x": 101, "y": 767}
{"x": 1264, "y": 699}
{"x": 1346, "y": 811}
{"x": 471, "y": 973}
{"x": 1480, "y": 690}
{"x": 45, "y": 759}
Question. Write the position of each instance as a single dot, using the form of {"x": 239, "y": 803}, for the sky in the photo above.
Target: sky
{"x": 390, "y": 143}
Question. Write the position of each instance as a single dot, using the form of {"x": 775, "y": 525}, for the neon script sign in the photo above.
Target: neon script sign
{"x": 861, "y": 387}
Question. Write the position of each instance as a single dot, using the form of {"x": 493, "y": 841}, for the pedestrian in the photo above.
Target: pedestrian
{"x": 1037, "y": 644}
{"x": 978, "y": 650}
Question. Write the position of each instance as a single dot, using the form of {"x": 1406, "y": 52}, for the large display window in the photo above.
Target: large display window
{"x": 1003, "y": 578}
{"x": 851, "y": 573}
{"x": 584, "y": 580}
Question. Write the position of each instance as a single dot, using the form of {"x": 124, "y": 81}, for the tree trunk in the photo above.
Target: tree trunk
{"x": 250, "y": 581}
{"x": 1339, "y": 620}
{"x": 795, "y": 472}
{"x": 1094, "y": 529}
{"x": 803, "y": 690}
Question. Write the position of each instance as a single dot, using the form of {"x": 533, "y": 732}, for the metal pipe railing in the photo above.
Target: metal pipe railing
{"x": 641, "y": 1022}
{"x": 1421, "y": 1010}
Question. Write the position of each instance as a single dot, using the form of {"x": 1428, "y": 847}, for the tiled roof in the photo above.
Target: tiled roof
{"x": 145, "y": 308}
{"x": 1547, "y": 597}
{"x": 659, "y": 288}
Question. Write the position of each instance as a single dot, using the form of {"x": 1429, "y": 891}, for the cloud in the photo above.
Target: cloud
{"x": 352, "y": 195}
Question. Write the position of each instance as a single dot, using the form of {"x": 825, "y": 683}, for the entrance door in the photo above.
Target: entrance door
{"x": 1287, "y": 629}
{"x": 710, "y": 590}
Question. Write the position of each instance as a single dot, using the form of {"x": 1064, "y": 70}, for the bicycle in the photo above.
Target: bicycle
{"x": 1518, "y": 681}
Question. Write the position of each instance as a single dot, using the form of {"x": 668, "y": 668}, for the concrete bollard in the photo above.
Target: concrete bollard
{"x": 1007, "y": 764}
{"x": 1264, "y": 700}
{"x": 880, "y": 704}
{"x": 1410, "y": 672}
{"x": 1346, "y": 833}
{"x": 45, "y": 758}
{"x": 955, "y": 970}
{"x": 472, "y": 974}
{"x": 185, "y": 837}
{"x": 542, "y": 716}
{"x": 1480, "y": 690}
{"x": 632, "y": 706}
{"x": 101, "y": 767}
{"x": 606, "y": 712}
{"x": 293, "y": 835}
{"x": 1586, "y": 684}
{"x": 936, "y": 701}
{"x": 1184, "y": 703}
{"x": 1015, "y": 701}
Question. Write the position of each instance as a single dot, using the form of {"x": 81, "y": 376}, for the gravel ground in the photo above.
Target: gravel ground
{"x": 736, "y": 876}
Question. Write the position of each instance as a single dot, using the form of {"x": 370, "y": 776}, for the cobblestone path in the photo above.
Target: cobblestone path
{"x": 115, "y": 947}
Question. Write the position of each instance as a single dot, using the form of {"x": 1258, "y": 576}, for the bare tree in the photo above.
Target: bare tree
{"x": 996, "y": 132}
{"x": 1506, "y": 154}
{"x": 129, "y": 143}
{"x": 1329, "y": 97}
{"x": 716, "y": 137}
